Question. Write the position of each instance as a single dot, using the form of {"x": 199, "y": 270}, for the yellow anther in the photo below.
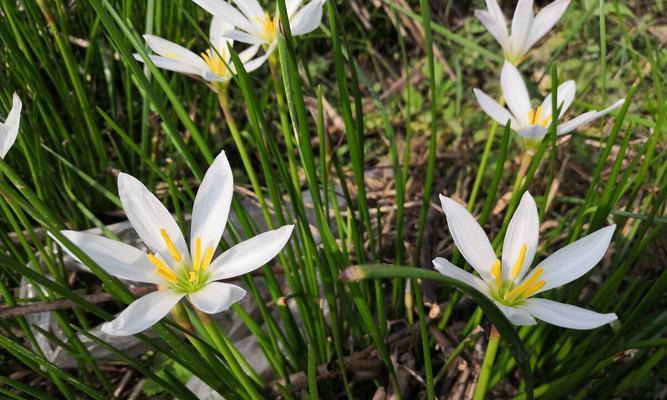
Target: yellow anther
{"x": 193, "y": 276}
{"x": 546, "y": 121}
{"x": 497, "y": 273}
{"x": 214, "y": 61}
{"x": 525, "y": 287}
{"x": 535, "y": 116}
{"x": 534, "y": 288}
{"x": 170, "y": 245}
{"x": 162, "y": 269}
{"x": 519, "y": 262}
{"x": 197, "y": 256}
{"x": 208, "y": 256}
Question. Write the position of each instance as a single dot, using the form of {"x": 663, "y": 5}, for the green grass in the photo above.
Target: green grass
{"x": 326, "y": 137}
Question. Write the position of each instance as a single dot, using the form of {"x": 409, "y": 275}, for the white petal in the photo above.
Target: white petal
{"x": 496, "y": 13}
{"x": 497, "y": 29}
{"x": 587, "y": 117}
{"x": 116, "y": 258}
{"x": 226, "y": 11}
{"x": 575, "y": 259}
{"x": 534, "y": 132}
{"x": 516, "y": 316}
{"x": 251, "y": 254}
{"x": 219, "y": 26}
{"x": 148, "y": 216}
{"x": 307, "y": 19}
{"x": 524, "y": 228}
{"x": 522, "y": 22}
{"x": 545, "y": 20}
{"x": 566, "y": 315}
{"x": 564, "y": 98}
{"x": 515, "y": 93}
{"x": 211, "y": 208}
{"x": 9, "y": 130}
{"x": 259, "y": 61}
{"x": 216, "y": 297}
{"x": 469, "y": 237}
{"x": 175, "y": 52}
{"x": 244, "y": 37}
{"x": 143, "y": 313}
{"x": 292, "y": 5}
{"x": 448, "y": 269}
{"x": 250, "y": 8}
{"x": 172, "y": 65}
{"x": 493, "y": 109}
{"x": 247, "y": 54}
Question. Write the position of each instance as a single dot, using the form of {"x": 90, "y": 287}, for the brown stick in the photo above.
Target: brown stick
{"x": 95, "y": 298}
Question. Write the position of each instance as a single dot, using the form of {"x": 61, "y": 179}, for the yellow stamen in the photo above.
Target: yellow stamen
{"x": 536, "y": 286}
{"x": 208, "y": 256}
{"x": 162, "y": 269}
{"x": 535, "y": 117}
{"x": 193, "y": 276}
{"x": 519, "y": 262}
{"x": 197, "y": 256}
{"x": 215, "y": 61}
{"x": 497, "y": 273}
{"x": 170, "y": 245}
{"x": 526, "y": 286}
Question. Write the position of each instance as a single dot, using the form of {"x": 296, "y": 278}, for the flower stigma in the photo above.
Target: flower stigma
{"x": 184, "y": 277}
{"x": 213, "y": 59}
{"x": 508, "y": 292}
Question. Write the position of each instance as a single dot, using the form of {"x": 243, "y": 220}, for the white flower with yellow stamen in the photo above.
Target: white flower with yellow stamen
{"x": 213, "y": 65}
{"x": 527, "y": 28}
{"x": 177, "y": 270}
{"x": 9, "y": 130}
{"x": 510, "y": 282}
{"x": 533, "y": 124}
{"x": 258, "y": 27}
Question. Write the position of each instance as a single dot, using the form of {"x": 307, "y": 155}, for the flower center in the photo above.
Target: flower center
{"x": 186, "y": 277}
{"x": 214, "y": 61}
{"x": 269, "y": 26}
{"x": 535, "y": 117}
{"x": 508, "y": 292}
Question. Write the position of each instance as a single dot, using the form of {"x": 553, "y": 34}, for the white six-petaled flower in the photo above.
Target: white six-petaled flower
{"x": 10, "y": 128}
{"x": 527, "y": 28}
{"x": 179, "y": 271}
{"x": 510, "y": 282}
{"x": 213, "y": 65}
{"x": 256, "y": 26}
{"x": 529, "y": 123}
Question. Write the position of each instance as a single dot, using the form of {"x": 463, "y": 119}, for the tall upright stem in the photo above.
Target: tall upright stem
{"x": 487, "y": 364}
{"x": 238, "y": 141}
{"x": 279, "y": 88}
{"x": 222, "y": 345}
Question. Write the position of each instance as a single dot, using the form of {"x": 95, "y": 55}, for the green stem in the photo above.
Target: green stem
{"x": 221, "y": 344}
{"x": 487, "y": 364}
{"x": 274, "y": 65}
{"x": 238, "y": 141}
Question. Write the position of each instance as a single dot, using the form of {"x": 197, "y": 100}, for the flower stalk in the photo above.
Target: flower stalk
{"x": 487, "y": 364}
{"x": 221, "y": 343}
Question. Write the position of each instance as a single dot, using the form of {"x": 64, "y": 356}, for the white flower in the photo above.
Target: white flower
{"x": 213, "y": 65}
{"x": 532, "y": 123}
{"x": 527, "y": 28}
{"x": 511, "y": 283}
{"x": 10, "y": 128}
{"x": 178, "y": 270}
{"x": 257, "y": 27}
